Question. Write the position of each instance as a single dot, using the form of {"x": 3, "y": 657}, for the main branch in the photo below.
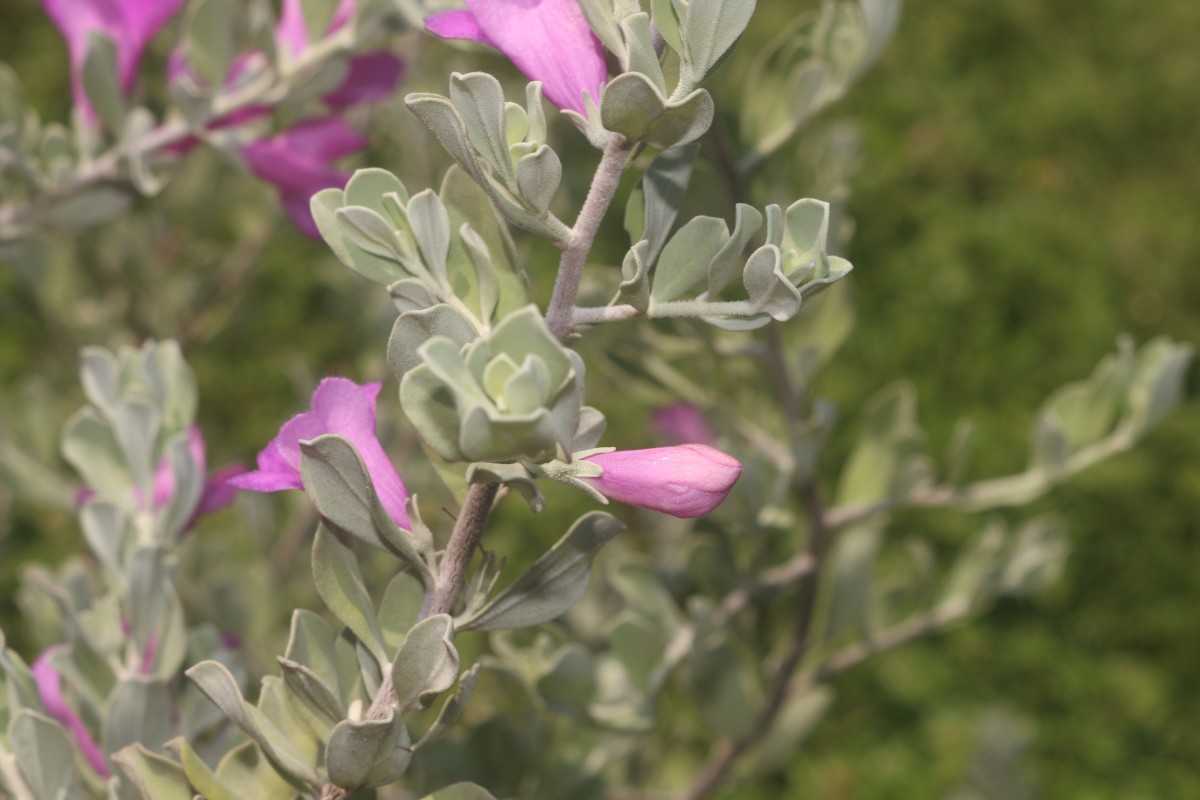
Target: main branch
{"x": 574, "y": 256}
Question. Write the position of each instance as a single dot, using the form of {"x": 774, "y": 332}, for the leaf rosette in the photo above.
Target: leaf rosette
{"x": 514, "y": 394}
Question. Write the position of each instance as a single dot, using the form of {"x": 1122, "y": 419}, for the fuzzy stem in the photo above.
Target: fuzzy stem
{"x": 560, "y": 312}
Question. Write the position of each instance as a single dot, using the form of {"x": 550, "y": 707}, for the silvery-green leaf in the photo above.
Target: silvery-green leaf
{"x": 851, "y": 578}
{"x": 340, "y": 584}
{"x": 443, "y": 121}
{"x": 413, "y": 328}
{"x": 684, "y": 261}
{"x": 368, "y": 230}
{"x": 633, "y": 107}
{"x": 147, "y": 572}
{"x": 101, "y": 80}
{"x": 411, "y": 294}
{"x": 634, "y": 288}
{"x": 769, "y": 289}
{"x": 514, "y": 476}
{"x": 44, "y": 754}
{"x": 461, "y": 791}
{"x": 431, "y": 227}
{"x": 553, "y": 583}
{"x": 642, "y": 57}
{"x": 189, "y": 485}
{"x": 487, "y": 285}
{"x": 218, "y": 685}
{"x": 366, "y": 754}
{"x": 136, "y": 427}
{"x": 747, "y": 222}
{"x": 638, "y": 645}
{"x": 602, "y": 21}
{"x": 91, "y": 447}
{"x": 199, "y": 774}
{"x": 338, "y": 483}
{"x": 311, "y": 643}
{"x": 432, "y": 411}
{"x": 468, "y": 203}
{"x": 1036, "y": 558}
{"x": 666, "y": 18}
{"x": 249, "y": 772}
{"x": 154, "y": 776}
{"x": 90, "y": 206}
{"x": 891, "y": 436}
{"x": 538, "y": 176}
{"x": 368, "y": 187}
{"x": 98, "y": 375}
{"x": 399, "y": 608}
{"x": 173, "y": 385}
{"x": 665, "y": 185}
{"x": 426, "y": 664}
{"x": 1157, "y": 385}
{"x": 710, "y": 28}
{"x": 314, "y": 701}
{"x": 138, "y": 711}
{"x": 479, "y": 101}
{"x": 978, "y": 568}
{"x": 806, "y": 228}
{"x": 516, "y": 125}
{"x": 208, "y": 41}
{"x": 452, "y": 710}
{"x": 103, "y": 527}
{"x": 590, "y": 430}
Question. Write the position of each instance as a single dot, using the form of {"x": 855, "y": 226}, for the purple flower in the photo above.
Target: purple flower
{"x": 49, "y": 686}
{"x": 130, "y": 24}
{"x": 339, "y": 406}
{"x": 548, "y": 40}
{"x": 682, "y": 423}
{"x": 687, "y": 480}
{"x": 297, "y": 162}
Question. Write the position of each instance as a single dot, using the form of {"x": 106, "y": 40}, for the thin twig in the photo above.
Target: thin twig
{"x": 560, "y": 312}
{"x": 468, "y": 530}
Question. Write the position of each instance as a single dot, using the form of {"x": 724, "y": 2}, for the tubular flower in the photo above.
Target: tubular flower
{"x": 548, "y": 40}
{"x": 341, "y": 407}
{"x": 49, "y": 688}
{"x": 130, "y": 24}
{"x": 687, "y": 480}
{"x": 297, "y": 162}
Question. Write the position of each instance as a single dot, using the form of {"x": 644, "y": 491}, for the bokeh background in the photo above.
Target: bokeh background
{"x": 1029, "y": 187}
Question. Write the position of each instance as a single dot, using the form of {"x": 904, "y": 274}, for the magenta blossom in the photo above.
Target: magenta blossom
{"x": 130, "y": 24}
{"x": 49, "y": 687}
{"x": 687, "y": 480}
{"x": 682, "y": 423}
{"x": 342, "y": 407}
{"x": 297, "y": 162}
{"x": 370, "y": 77}
{"x": 548, "y": 40}
{"x": 217, "y": 492}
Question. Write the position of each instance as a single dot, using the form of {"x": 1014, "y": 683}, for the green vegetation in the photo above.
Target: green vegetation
{"x": 1030, "y": 176}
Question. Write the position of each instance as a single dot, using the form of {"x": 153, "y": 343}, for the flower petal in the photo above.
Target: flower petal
{"x": 49, "y": 687}
{"x": 371, "y": 77}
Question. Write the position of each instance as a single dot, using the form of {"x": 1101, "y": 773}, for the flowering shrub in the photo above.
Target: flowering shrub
{"x": 145, "y": 687}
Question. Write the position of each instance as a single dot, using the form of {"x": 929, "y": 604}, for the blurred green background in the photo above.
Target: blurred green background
{"x": 1029, "y": 185}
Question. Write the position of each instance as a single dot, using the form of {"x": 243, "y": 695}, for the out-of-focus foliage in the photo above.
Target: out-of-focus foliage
{"x": 1030, "y": 193}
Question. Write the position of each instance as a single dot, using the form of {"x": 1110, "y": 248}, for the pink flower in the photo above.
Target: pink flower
{"x": 49, "y": 686}
{"x": 297, "y": 162}
{"x": 682, "y": 423}
{"x": 130, "y": 24}
{"x": 347, "y": 409}
{"x": 217, "y": 492}
{"x": 548, "y": 40}
{"x": 687, "y": 480}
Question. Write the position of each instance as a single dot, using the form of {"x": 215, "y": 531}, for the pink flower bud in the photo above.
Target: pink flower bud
{"x": 687, "y": 480}
{"x": 50, "y": 692}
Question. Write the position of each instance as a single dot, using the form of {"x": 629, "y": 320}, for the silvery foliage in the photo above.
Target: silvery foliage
{"x": 491, "y": 388}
